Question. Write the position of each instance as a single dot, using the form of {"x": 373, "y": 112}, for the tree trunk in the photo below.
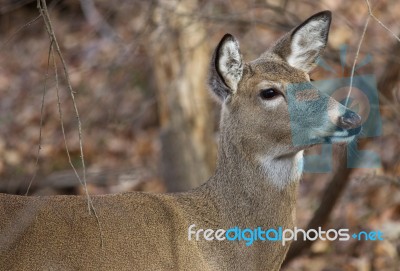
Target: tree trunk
{"x": 181, "y": 58}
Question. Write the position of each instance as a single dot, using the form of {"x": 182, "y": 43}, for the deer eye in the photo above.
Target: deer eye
{"x": 269, "y": 93}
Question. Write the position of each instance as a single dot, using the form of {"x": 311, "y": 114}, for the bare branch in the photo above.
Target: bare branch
{"x": 18, "y": 30}
{"x": 41, "y": 117}
{"x": 371, "y": 14}
{"x": 43, "y": 11}
{"x": 13, "y": 5}
{"x": 356, "y": 58}
{"x": 41, "y": 4}
{"x": 95, "y": 19}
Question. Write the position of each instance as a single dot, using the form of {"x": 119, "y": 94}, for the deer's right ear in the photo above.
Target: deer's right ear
{"x": 226, "y": 68}
{"x": 305, "y": 43}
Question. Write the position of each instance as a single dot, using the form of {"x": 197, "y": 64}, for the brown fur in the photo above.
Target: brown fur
{"x": 142, "y": 231}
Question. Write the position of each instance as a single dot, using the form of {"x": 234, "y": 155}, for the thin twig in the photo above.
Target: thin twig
{"x": 380, "y": 22}
{"x": 96, "y": 20}
{"x": 19, "y": 30}
{"x": 13, "y": 5}
{"x": 66, "y": 145}
{"x": 44, "y": 13}
{"x": 393, "y": 180}
{"x": 41, "y": 118}
{"x": 43, "y": 10}
{"x": 234, "y": 19}
{"x": 370, "y": 15}
{"x": 356, "y": 58}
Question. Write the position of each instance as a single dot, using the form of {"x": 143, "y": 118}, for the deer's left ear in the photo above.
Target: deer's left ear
{"x": 226, "y": 68}
{"x": 306, "y": 42}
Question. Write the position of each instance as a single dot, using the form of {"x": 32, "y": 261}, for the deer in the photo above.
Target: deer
{"x": 255, "y": 183}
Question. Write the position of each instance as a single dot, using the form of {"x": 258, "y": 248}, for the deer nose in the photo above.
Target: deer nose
{"x": 349, "y": 120}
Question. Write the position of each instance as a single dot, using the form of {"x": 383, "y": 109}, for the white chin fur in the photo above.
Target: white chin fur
{"x": 342, "y": 139}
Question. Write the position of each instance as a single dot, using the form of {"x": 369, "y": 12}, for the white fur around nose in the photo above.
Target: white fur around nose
{"x": 230, "y": 64}
{"x": 306, "y": 41}
{"x": 281, "y": 172}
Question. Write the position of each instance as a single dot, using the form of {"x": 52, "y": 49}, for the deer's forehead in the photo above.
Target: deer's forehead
{"x": 273, "y": 70}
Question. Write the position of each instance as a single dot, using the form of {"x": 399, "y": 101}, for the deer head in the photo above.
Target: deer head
{"x": 269, "y": 106}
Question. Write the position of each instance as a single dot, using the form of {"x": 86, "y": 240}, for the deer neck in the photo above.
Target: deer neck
{"x": 254, "y": 190}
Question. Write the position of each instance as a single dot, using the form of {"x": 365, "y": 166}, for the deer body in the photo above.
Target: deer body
{"x": 254, "y": 185}
{"x": 143, "y": 231}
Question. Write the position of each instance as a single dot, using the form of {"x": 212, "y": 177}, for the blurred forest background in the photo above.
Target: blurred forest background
{"x": 139, "y": 69}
